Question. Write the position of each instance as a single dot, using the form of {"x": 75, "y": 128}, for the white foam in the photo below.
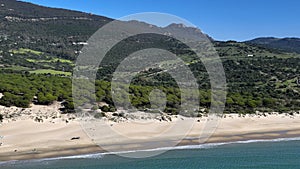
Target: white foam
{"x": 205, "y": 146}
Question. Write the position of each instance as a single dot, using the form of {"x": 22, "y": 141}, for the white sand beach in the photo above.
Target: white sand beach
{"x": 25, "y": 137}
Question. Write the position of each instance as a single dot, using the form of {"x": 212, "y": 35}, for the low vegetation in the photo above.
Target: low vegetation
{"x": 52, "y": 72}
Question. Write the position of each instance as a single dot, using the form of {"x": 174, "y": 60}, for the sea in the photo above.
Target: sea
{"x": 254, "y": 154}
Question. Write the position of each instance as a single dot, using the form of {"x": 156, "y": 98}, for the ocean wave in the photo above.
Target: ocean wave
{"x": 205, "y": 146}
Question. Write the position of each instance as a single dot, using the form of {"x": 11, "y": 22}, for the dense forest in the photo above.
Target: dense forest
{"x": 257, "y": 83}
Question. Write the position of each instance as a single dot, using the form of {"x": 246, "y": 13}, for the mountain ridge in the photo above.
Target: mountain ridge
{"x": 288, "y": 44}
{"x": 16, "y": 10}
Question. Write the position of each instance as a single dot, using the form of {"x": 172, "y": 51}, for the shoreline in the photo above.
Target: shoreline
{"x": 92, "y": 152}
{"x": 87, "y": 147}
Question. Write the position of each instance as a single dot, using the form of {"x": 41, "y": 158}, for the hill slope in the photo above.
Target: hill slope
{"x": 45, "y": 29}
{"x": 39, "y": 40}
{"x": 283, "y": 44}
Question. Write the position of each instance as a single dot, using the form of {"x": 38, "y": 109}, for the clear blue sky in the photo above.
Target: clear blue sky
{"x": 222, "y": 19}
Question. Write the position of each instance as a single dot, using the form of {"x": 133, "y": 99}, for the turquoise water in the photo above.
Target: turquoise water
{"x": 256, "y": 155}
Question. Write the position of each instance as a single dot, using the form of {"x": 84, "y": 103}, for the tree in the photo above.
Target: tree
{"x": 268, "y": 102}
{"x": 46, "y": 99}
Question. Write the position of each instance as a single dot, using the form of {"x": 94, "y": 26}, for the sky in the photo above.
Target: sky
{"x": 221, "y": 19}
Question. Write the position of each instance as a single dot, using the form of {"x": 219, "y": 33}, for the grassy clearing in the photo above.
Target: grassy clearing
{"x": 49, "y": 71}
{"x": 23, "y": 51}
{"x": 17, "y": 68}
{"x": 50, "y": 61}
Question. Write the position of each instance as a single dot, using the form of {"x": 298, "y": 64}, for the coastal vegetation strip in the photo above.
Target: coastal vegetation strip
{"x": 44, "y": 87}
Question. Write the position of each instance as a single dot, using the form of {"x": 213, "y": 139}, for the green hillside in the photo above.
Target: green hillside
{"x": 39, "y": 47}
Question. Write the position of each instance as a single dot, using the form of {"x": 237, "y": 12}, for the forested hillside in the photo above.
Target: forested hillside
{"x": 39, "y": 47}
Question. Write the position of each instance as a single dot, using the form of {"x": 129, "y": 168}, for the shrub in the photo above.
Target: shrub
{"x": 105, "y": 108}
{"x": 99, "y": 115}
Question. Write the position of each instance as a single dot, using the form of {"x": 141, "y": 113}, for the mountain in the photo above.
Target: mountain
{"x": 41, "y": 40}
{"x": 57, "y": 31}
{"x": 27, "y": 29}
{"x": 45, "y": 29}
{"x": 283, "y": 44}
{"x": 23, "y": 13}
